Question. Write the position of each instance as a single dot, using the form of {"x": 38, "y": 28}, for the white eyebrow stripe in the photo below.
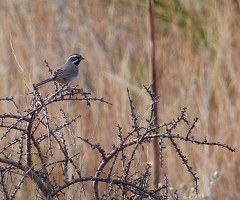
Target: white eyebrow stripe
{"x": 72, "y": 56}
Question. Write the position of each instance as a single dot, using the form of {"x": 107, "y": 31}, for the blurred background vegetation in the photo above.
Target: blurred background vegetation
{"x": 197, "y": 48}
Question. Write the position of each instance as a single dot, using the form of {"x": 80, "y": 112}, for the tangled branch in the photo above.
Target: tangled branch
{"x": 25, "y": 155}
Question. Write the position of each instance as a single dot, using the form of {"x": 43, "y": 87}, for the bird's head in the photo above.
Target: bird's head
{"x": 75, "y": 59}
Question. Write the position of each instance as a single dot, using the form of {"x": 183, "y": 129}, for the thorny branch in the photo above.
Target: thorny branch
{"x": 129, "y": 183}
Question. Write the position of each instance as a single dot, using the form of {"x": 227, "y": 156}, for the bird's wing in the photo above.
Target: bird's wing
{"x": 60, "y": 74}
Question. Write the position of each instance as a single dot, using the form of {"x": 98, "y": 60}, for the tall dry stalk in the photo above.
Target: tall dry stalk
{"x": 152, "y": 79}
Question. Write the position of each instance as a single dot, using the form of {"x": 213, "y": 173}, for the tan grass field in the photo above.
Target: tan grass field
{"x": 197, "y": 56}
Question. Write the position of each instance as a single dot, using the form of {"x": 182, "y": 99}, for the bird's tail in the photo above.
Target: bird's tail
{"x": 42, "y": 82}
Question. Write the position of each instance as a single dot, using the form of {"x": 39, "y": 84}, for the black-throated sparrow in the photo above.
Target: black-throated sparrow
{"x": 66, "y": 73}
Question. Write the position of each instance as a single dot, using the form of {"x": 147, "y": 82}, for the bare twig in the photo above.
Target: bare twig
{"x": 129, "y": 182}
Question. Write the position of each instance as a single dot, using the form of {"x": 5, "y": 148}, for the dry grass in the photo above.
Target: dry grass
{"x": 197, "y": 58}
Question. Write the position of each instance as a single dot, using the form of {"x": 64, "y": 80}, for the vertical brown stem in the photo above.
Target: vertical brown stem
{"x": 152, "y": 79}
